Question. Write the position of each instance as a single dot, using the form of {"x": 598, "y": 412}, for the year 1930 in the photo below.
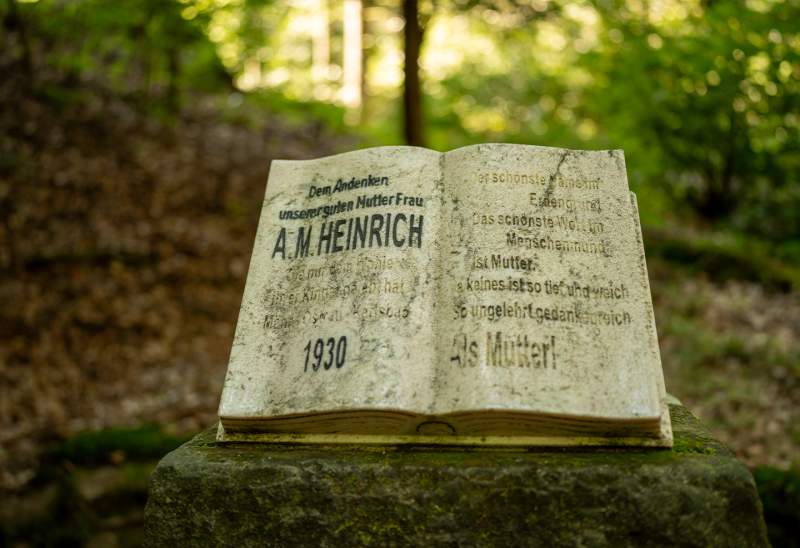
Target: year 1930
{"x": 326, "y": 353}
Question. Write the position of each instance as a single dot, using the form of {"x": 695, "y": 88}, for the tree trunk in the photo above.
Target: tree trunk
{"x": 353, "y": 30}
{"x": 412, "y": 93}
{"x": 174, "y": 70}
{"x": 320, "y": 46}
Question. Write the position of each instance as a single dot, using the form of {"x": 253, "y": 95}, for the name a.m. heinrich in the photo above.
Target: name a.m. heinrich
{"x": 348, "y": 234}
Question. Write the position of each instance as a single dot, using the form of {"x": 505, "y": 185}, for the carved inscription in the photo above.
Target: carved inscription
{"x": 490, "y": 277}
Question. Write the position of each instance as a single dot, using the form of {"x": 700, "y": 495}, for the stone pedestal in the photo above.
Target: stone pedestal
{"x": 697, "y": 494}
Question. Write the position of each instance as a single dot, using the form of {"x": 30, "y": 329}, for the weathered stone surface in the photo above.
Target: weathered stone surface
{"x": 697, "y": 494}
{"x": 492, "y": 290}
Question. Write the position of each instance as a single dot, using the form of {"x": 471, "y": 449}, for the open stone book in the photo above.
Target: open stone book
{"x": 495, "y": 294}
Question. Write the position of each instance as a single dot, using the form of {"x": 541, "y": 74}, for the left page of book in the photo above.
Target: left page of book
{"x": 338, "y": 305}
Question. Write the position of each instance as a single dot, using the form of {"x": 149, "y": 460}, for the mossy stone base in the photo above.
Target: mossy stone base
{"x": 697, "y": 494}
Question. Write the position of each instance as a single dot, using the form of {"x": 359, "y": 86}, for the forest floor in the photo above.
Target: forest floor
{"x": 124, "y": 246}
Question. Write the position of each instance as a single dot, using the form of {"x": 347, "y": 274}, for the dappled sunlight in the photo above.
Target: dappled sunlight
{"x": 636, "y": 75}
{"x": 454, "y": 39}
{"x": 136, "y": 136}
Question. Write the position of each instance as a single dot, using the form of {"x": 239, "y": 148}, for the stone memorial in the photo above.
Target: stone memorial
{"x": 248, "y": 494}
{"x": 450, "y": 349}
{"x": 495, "y": 294}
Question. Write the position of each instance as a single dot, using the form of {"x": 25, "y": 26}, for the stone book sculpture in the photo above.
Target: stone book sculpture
{"x": 495, "y": 294}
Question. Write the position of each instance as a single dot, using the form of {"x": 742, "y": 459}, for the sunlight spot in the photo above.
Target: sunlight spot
{"x": 335, "y": 71}
{"x": 564, "y": 114}
{"x": 394, "y": 24}
{"x": 251, "y": 77}
{"x": 481, "y": 121}
{"x": 771, "y": 89}
{"x": 581, "y": 14}
{"x": 491, "y": 17}
{"x": 323, "y": 93}
{"x": 784, "y": 71}
{"x": 277, "y": 76}
{"x": 539, "y": 5}
{"x": 654, "y": 41}
{"x": 753, "y": 95}
{"x": 700, "y": 89}
{"x": 756, "y": 39}
{"x": 581, "y": 45}
{"x": 229, "y": 52}
{"x": 761, "y": 6}
{"x": 435, "y": 89}
{"x": 452, "y": 40}
{"x": 552, "y": 36}
{"x": 712, "y": 77}
{"x": 758, "y": 62}
{"x": 216, "y": 33}
{"x": 587, "y": 129}
{"x": 189, "y": 13}
{"x": 636, "y": 7}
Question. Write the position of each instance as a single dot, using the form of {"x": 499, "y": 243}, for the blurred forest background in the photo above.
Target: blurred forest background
{"x": 135, "y": 140}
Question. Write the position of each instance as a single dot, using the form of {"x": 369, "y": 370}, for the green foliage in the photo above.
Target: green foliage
{"x": 704, "y": 103}
{"x": 332, "y": 116}
{"x": 723, "y": 257}
{"x": 717, "y": 97}
{"x": 140, "y": 48}
{"x": 703, "y": 96}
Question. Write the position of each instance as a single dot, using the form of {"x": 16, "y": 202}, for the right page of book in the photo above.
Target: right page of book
{"x": 544, "y": 304}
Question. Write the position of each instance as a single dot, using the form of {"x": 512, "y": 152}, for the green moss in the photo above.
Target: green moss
{"x": 94, "y": 447}
{"x": 692, "y": 446}
{"x": 690, "y": 438}
{"x": 416, "y": 495}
